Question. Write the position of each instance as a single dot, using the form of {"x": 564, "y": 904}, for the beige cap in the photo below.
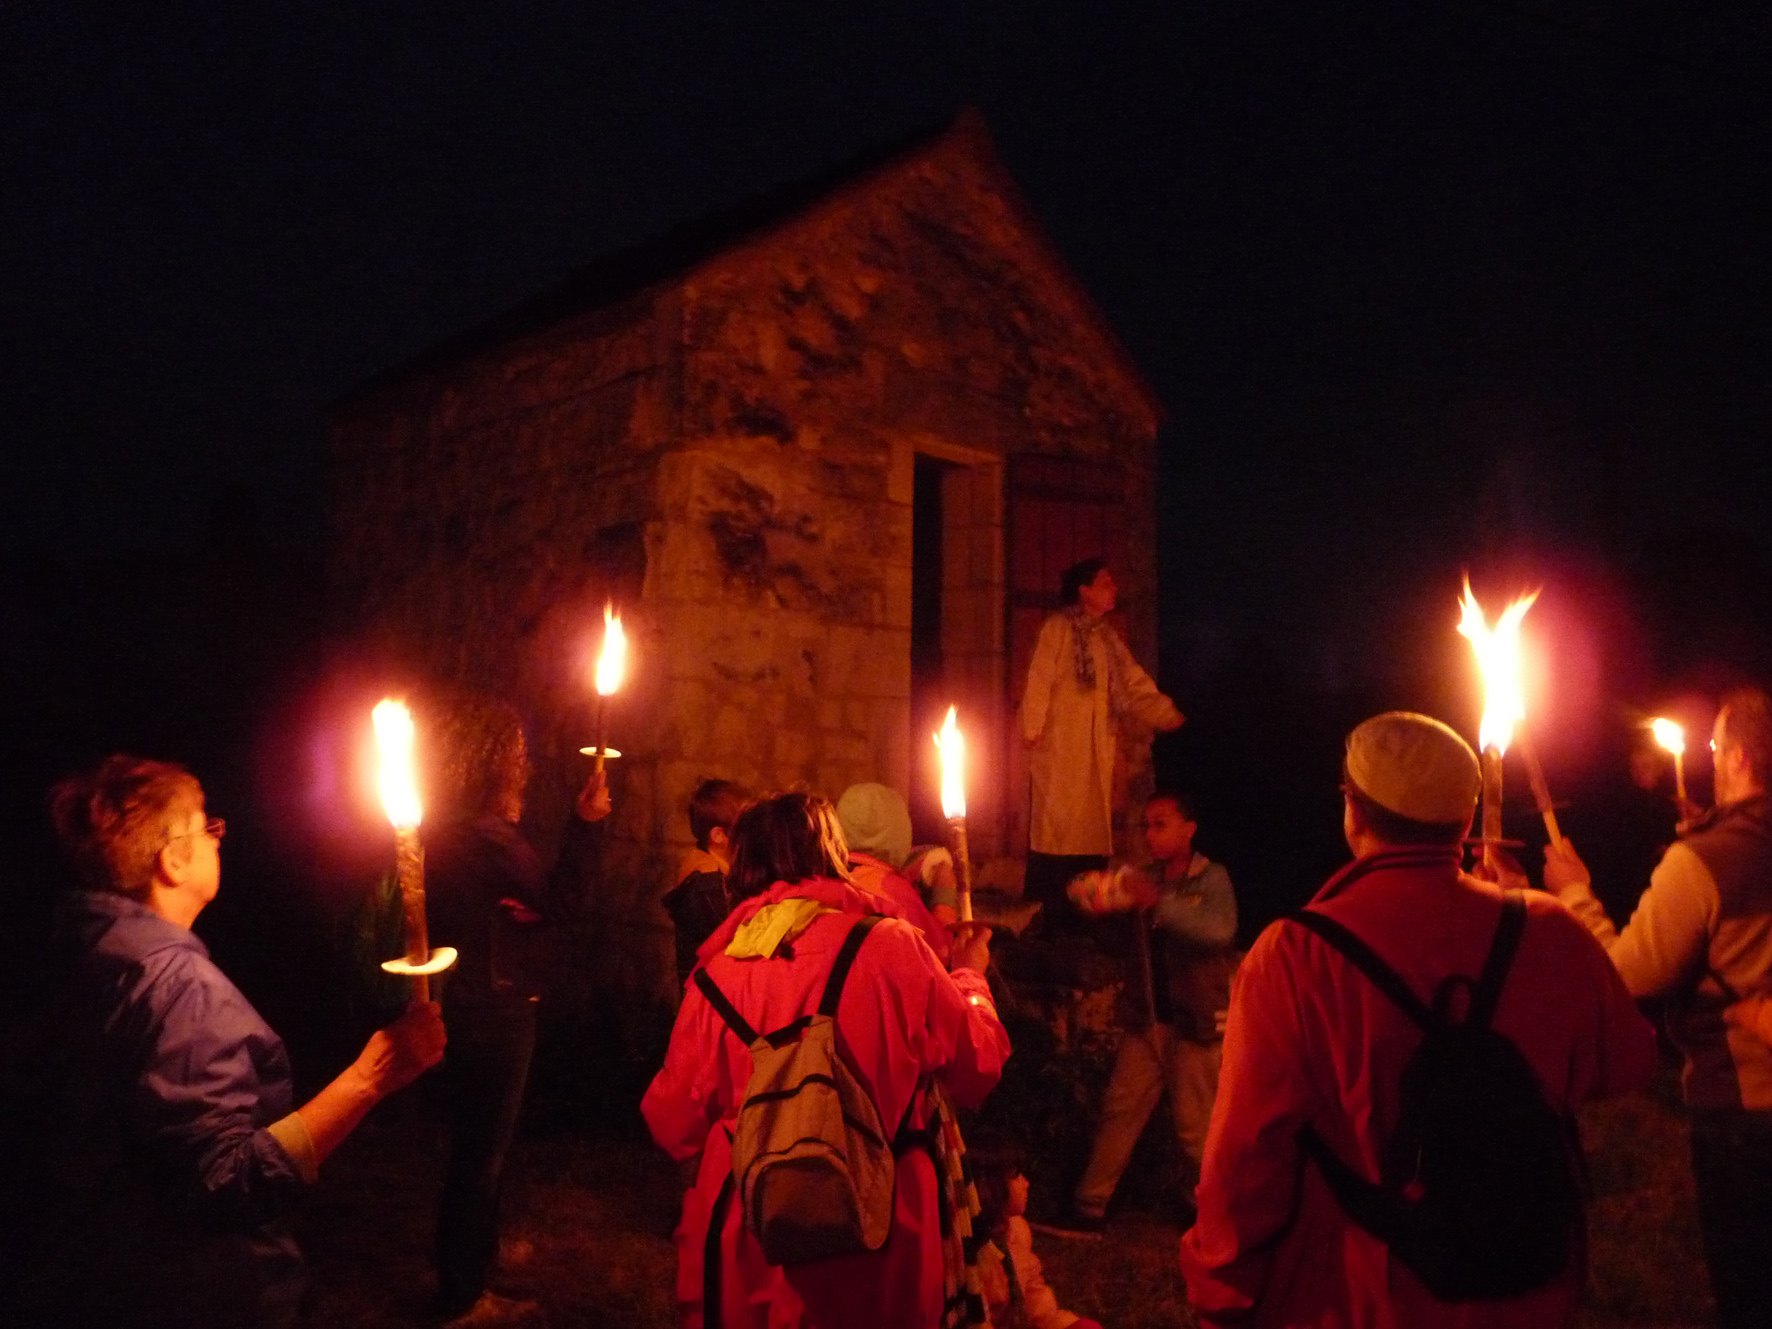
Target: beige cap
{"x": 1414, "y": 766}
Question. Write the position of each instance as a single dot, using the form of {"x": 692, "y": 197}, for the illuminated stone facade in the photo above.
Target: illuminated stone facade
{"x": 728, "y": 435}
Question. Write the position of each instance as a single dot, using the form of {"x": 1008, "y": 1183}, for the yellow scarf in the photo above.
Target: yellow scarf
{"x": 762, "y": 934}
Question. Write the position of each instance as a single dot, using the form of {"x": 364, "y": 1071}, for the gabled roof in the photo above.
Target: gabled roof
{"x": 626, "y": 274}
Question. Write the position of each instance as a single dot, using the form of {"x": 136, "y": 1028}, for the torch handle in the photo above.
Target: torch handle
{"x": 409, "y": 856}
{"x": 1540, "y": 790}
{"x": 1492, "y": 809}
{"x": 1680, "y": 780}
{"x": 962, "y": 868}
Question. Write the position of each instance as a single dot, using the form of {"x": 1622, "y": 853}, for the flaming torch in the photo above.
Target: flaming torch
{"x": 951, "y": 743}
{"x": 612, "y": 663}
{"x": 1673, "y": 738}
{"x": 399, "y": 796}
{"x": 1504, "y": 706}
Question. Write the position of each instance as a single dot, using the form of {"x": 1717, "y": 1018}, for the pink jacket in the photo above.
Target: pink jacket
{"x": 902, "y": 1018}
{"x": 1311, "y": 1040}
{"x": 878, "y": 876}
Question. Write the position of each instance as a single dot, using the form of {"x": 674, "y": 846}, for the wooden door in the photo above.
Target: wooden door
{"x": 1061, "y": 511}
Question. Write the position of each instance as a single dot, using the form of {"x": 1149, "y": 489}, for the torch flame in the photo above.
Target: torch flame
{"x": 612, "y": 663}
{"x": 951, "y": 743}
{"x": 399, "y": 787}
{"x": 1498, "y": 656}
{"x": 1669, "y": 735}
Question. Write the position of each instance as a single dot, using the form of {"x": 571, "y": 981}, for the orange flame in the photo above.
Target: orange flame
{"x": 951, "y": 743}
{"x": 1498, "y": 656}
{"x": 613, "y": 662}
{"x": 1669, "y": 735}
{"x": 399, "y": 786}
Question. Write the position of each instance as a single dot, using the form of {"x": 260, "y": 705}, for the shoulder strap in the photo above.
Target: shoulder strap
{"x": 833, "y": 986}
{"x": 1501, "y": 956}
{"x": 724, "y": 1008}
{"x": 1366, "y": 960}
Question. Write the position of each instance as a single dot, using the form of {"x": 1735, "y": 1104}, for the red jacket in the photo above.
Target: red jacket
{"x": 1311, "y": 1040}
{"x": 902, "y": 1018}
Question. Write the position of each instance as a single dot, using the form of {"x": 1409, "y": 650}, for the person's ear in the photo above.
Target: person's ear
{"x": 171, "y": 863}
{"x": 717, "y": 838}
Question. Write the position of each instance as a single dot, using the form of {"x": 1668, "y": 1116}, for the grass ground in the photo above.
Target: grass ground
{"x": 598, "y": 1208}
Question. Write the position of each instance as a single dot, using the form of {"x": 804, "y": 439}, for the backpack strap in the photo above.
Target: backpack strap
{"x": 1501, "y": 955}
{"x": 724, "y": 1008}
{"x": 1366, "y": 960}
{"x": 833, "y": 986}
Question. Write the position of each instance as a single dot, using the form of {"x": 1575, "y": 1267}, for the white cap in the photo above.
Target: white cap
{"x": 1414, "y": 766}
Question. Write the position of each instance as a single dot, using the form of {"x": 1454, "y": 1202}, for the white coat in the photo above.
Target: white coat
{"x": 1073, "y": 738}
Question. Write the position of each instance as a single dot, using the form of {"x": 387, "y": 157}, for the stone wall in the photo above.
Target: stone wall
{"x": 729, "y": 455}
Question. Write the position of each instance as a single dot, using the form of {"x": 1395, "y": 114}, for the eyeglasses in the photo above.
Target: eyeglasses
{"x": 214, "y": 828}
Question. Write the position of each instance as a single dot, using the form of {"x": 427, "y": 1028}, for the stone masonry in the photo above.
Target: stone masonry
{"x": 719, "y": 434}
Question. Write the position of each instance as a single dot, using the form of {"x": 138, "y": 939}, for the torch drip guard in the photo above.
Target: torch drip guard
{"x": 444, "y": 957}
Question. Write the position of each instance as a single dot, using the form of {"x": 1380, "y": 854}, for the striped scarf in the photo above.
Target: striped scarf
{"x": 963, "y": 1305}
{"x": 1083, "y": 631}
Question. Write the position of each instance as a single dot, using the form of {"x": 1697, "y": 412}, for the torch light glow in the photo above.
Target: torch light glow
{"x": 1498, "y": 656}
{"x": 613, "y": 662}
{"x": 399, "y": 785}
{"x": 1673, "y": 738}
{"x": 951, "y": 743}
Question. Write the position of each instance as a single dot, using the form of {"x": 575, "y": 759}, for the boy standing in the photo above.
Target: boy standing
{"x": 1185, "y": 922}
{"x": 697, "y": 904}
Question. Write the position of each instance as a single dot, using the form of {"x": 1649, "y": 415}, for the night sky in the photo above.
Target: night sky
{"x": 1423, "y": 286}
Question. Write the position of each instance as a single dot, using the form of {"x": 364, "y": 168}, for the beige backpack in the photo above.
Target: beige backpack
{"x": 812, "y": 1164}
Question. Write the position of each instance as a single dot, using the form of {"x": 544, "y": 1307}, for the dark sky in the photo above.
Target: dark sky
{"x": 1423, "y": 285}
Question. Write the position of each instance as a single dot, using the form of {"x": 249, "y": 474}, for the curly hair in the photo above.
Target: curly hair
{"x": 471, "y": 741}
{"x": 790, "y": 837}
{"x": 114, "y": 820}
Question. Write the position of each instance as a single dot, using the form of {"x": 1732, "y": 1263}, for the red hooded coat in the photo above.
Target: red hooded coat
{"x": 902, "y": 1018}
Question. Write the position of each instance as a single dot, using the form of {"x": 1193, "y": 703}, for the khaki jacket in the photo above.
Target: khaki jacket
{"x": 1073, "y": 740}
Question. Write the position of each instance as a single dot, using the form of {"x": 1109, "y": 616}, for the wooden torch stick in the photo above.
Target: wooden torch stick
{"x": 1492, "y": 809}
{"x": 409, "y": 859}
{"x": 1540, "y": 790}
{"x": 962, "y": 867}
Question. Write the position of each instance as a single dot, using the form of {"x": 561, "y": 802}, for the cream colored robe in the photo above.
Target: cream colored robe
{"x": 1073, "y": 739}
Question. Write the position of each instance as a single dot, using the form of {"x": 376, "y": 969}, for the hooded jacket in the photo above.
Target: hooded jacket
{"x": 902, "y": 1019}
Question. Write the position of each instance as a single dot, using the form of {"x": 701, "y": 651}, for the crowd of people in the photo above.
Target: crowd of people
{"x": 1375, "y": 1104}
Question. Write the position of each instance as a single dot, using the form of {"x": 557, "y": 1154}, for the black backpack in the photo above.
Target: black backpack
{"x": 1480, "y": 1190}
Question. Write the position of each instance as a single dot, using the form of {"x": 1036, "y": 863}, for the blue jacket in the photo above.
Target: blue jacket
{"x": 148, "y": 1190}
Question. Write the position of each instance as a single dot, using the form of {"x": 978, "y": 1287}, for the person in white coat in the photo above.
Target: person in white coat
{"x": 1082, "y": 686}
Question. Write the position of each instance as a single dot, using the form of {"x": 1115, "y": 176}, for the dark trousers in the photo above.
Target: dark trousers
{"x": 485, "y": 1070}
{"x": 1047, "y": 877}
{"x": 1732, "y": 1164}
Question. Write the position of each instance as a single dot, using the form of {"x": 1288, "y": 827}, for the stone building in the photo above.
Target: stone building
{"x": 827, "y": 454}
